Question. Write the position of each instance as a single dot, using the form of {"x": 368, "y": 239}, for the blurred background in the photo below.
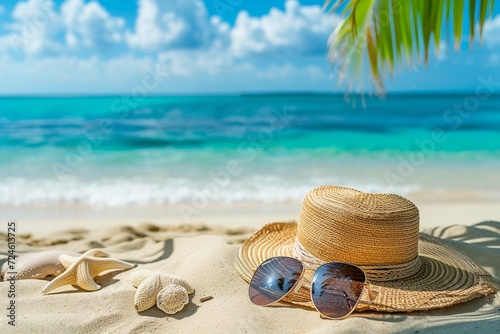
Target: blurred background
{"x": 218, "y": 110}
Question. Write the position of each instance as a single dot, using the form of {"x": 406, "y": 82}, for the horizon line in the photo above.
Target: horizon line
{"x": 243, "y": 94}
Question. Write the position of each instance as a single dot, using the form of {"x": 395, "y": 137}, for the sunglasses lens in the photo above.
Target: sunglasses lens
{"x": 273, "y": 279}
{"x": 336, "y": 288}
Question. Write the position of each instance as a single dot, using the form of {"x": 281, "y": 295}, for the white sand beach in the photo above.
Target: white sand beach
{"x": 204, "y": 254}
{"x": 164, "y": 134}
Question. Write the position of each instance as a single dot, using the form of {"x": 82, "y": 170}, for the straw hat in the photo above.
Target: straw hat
{"x": 407, "y": 271}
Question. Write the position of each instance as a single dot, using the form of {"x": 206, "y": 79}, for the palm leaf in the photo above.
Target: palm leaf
{"x": 387, "y": 34}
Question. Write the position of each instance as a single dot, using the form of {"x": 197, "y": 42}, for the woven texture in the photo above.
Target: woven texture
{"x": 407, "y": 271}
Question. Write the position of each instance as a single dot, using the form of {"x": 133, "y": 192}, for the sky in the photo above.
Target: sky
{"x": 201, "y": 47}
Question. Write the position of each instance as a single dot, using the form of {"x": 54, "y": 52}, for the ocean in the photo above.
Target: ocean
{"x": 113, "y": 152}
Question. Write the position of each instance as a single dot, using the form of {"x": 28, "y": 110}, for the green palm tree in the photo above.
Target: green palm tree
{"x": 386, "y": 35}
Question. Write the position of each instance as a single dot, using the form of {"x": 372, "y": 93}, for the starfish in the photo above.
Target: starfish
{"x": 81, "y": 270}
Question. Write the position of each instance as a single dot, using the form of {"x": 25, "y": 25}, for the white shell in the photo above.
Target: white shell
{"x": 171, "y": 279}
{"x": 172, "y": 299}
{"x": 137, "y": 276}
{"x": 146, "y": 293}
{"x": 37, "y": 265}
{"x": 170, "y": 293}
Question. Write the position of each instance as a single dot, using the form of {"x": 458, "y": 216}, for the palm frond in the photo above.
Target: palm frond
{"x": 390, "y": 34}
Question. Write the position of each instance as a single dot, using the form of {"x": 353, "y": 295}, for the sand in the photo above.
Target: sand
{"x": 204, "y": 255}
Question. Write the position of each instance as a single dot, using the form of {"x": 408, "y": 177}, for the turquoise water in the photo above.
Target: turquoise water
{"x": 118, "y": 151}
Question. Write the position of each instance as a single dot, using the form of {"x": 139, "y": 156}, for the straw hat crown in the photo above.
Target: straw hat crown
{"x": 346, "y": 225}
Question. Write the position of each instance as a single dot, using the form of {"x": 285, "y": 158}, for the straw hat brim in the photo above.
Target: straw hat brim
{"x": 446, "y": 276}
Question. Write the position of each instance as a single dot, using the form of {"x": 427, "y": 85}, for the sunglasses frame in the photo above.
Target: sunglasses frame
{"x": 365, "y": 284}
{"x": 298, "y": 284}
{"x": 294, "y": 288}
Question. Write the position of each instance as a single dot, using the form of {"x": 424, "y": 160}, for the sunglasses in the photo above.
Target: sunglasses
{"x": 335, "y": 287}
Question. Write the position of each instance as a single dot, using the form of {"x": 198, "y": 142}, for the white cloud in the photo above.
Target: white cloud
{"x": 60, "y": 46}
{"x": 174, "y": 24}
{"x": 188, "y": 73}
{"x": 40, "y": 28}
{"x": 185, "y": 24}
{"x": 442, "y": 51}
{"x": 35, "y": 21}
{"x": 90, "y": 24}
{"x": 2, "y": 9}
{"x": 71, "y": 73}
{"x": 289, "y": 70}
{"x": 297, "y": 29}
{"x": 492, "y": 31}
{"x": 187, "y": 64}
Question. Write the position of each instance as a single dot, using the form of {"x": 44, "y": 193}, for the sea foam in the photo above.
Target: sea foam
{"x": 118, "y": 193}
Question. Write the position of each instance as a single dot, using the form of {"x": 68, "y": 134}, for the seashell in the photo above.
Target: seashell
{"x": 147, "y": 291}
{"x": 37, "y": 265}
{"x": 137, "y": 276}
{"x": 206, "y": 298}
{"x": 150, "y": 284}
{"x": 171, "y": 279}
{"x": 172, "y": 299}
